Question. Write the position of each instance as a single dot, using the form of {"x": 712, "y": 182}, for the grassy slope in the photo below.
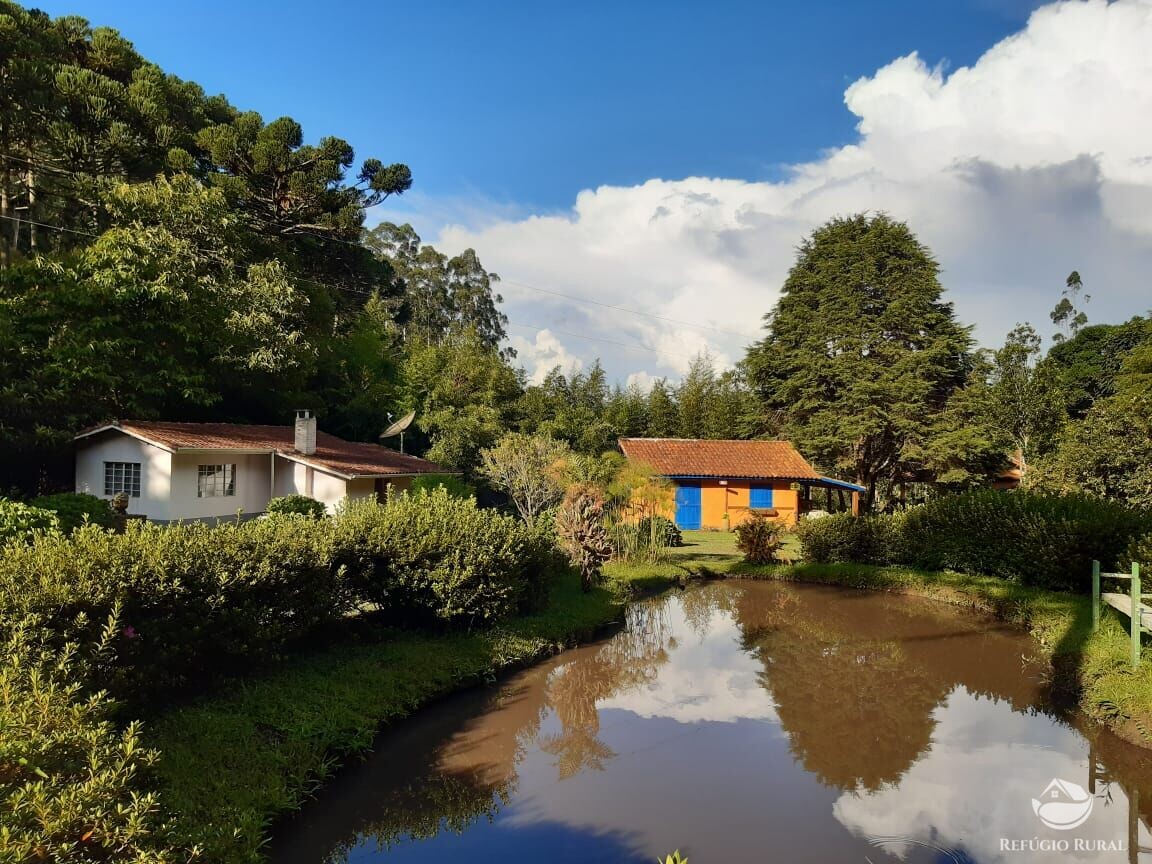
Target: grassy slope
{"x": 232, "y": 763}
{"x": 1093, "y": 666}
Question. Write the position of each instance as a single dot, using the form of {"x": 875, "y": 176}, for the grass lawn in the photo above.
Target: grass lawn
{"x": 232, "y": 763}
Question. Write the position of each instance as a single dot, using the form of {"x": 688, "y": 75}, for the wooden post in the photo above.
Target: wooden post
{"x": 1136, "y": 616}
{"x": 1095, "y": 596}
{"x": 855, "y": 503}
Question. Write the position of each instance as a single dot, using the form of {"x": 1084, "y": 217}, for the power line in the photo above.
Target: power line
{"x": 631, "y": 346}
{"x": 664, "y": 318}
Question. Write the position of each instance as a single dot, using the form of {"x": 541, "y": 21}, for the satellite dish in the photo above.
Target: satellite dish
{"x": 398, "y": 427}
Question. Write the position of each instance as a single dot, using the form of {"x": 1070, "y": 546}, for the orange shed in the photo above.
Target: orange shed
{"x": 718, "y": 483}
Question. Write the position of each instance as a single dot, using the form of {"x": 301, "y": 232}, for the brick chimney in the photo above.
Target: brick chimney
{"x": 305, "y": 432}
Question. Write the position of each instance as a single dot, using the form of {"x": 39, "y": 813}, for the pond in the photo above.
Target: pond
{"x": 749, "y": 722}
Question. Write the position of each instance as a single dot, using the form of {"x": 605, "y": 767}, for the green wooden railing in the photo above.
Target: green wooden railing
{"x": 1132, "y": 605}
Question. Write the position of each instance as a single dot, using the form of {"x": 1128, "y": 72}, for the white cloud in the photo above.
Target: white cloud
{"x": 1034, "y": 161}
{"x": 946, "y": 799}
{"x": 542, "y": 354}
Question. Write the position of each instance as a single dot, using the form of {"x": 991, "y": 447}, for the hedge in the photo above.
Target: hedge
{"x": 1035, "y": 539}
{"x": 199, "y": 601}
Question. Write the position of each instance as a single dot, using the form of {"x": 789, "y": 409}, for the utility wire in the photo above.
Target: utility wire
{"x": 664, "y": 318}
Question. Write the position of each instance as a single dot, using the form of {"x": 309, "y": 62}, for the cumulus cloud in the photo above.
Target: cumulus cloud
{"x": 1032, "y": 162}
{"x": 543, "y": 353}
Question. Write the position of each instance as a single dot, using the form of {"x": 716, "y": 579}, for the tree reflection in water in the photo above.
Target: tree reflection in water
{"x": 626, "y": 662}
{"x": 467, "y": 773}
{"x": 858, "y": 681}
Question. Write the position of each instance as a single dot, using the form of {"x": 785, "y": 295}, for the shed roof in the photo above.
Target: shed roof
{"x": 333, "y": 455}
{"x": 697, "y": 457}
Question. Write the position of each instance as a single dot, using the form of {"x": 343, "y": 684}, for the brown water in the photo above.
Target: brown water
{"x": 746, "y": 722}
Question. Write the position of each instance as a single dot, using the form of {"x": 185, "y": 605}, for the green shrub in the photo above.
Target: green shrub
{"x": 73, "y": 787}
{"x": 759, "y": 538}
{"x": 74, "y": 509}
{"x": 455, "y": 487}
{"x": 196, "y": 600}
{"x": 1036, "y": 539}
{"x": 20, "y": 521}
{"x": 298, "y": 505}
{"x": 433, "y": 556}
{"x": 660, "y": 531}
{"x": 200, "y": 601}
{"x": 844, "y": 538}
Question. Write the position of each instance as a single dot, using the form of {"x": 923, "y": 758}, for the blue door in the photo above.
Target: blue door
{"x": 688, "y": 506}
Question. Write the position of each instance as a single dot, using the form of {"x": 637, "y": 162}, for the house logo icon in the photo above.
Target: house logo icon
{"x": 1063, "y": 805}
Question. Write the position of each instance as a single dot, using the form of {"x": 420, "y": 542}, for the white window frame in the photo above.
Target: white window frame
{"x": 216, "y": 481}
{"x": 122, "y": 477}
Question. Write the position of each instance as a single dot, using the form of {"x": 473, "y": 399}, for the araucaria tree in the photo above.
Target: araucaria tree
{"x": 861, "y": 353}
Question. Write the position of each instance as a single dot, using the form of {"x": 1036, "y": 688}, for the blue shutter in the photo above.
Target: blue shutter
{"x": 760, "y": 497}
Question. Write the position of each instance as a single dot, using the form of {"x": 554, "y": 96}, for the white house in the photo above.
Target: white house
{"x": 186, "y": 471}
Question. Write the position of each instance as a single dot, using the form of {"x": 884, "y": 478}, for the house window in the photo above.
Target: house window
{"x": 216, "y": 481}
{"x": 122, "y": 477}
{"x": 760, "y": 497}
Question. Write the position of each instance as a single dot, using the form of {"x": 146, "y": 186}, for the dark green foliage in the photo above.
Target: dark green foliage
{"x": 759, "y": 537}
{"x": 661, "y": 531}
{"x": 300, "y": 505}
{"x": 197, "y": 602}
{"x": 454, "y": 485}
{"x": 74, "y": 509}
{"x": 1088, "y": 364}
{"x": 436, "y": 557}
{"x": 844, "y": 538}
{"x": 1045, "y": 540}
{"x": 862, "y": 353}
{"x": 21, "y": 522}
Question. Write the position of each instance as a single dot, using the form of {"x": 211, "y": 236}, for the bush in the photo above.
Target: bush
{"x": 72, "y": 786}
{"x": 455, "y": 487}
{"x": 759, "y": 538}
{"x": 196, "y": 600}
{"x": 20, "y": 522}
{"x": 297, "y": 505}
{"x": 435, "y": 557}
{"x": 660, "y": 531}
{"x": 1036, "y": 539}
{"x": 74, "y": 509}
{"x": 844, "y": 538}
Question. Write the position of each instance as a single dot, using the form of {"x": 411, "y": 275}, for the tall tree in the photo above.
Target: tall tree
{"x": 861, "y": 353}
{"x": 440, "y": 293}
{"x": 1025, "y": 402}
{"x": 1066, "y": 315}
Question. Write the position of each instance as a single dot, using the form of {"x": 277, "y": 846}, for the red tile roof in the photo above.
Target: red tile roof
{"x": 335, "y": 455}
{"x": 696, "y": 457}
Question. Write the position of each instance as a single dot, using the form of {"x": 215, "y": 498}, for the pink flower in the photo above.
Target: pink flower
{"x": 129, "y": 632}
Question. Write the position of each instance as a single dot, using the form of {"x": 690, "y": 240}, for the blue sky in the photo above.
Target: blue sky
{"x": 527, "y": 103}
{"x": 640, "y": 174}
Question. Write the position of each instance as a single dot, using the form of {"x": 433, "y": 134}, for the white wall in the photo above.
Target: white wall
{"x": 253, "y": 485}
{"x": 328, "y": 489}
{"x": 155, "y": 467}
{"x": 292, "y": 478}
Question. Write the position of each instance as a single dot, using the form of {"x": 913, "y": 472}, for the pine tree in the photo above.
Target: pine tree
{"x": 861, "y": 352}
